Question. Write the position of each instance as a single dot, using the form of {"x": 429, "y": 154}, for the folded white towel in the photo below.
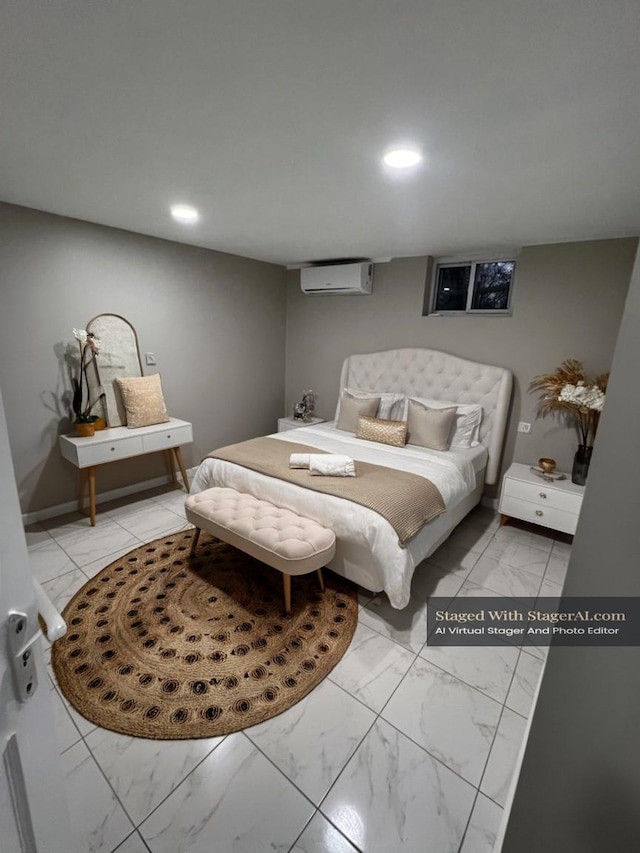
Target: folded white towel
{"x": 331, "y": 465}
{"x": 299, "y": 460}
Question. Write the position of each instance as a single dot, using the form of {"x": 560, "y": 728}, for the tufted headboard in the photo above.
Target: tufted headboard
{"x": 437, "y": 375}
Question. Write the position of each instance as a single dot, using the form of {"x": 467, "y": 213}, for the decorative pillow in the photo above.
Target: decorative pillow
{"x": 352, "y": 407}
{"x": 430, "y": 427}
{"x": 468, "y": 420}
{"x": 382, "y": 430}
{"x": 143, "y": 401}
{"x": 391, "y": 404}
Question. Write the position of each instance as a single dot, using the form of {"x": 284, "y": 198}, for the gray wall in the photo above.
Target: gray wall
{"x": 216, "y": 323}
{"x": 568, "y": 304}
{"x": 579, "y": 787}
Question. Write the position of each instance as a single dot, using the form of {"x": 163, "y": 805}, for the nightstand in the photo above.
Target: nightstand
{"x": 292, "y": 423}
{"x": 528, "y": 497}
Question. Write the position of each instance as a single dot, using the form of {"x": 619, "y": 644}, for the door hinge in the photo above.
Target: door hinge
{"x": 22, "y": 657}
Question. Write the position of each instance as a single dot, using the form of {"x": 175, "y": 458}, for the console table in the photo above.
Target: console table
{"x": 111, "y": 445}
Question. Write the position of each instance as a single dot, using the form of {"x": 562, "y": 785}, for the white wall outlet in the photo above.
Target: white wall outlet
{"x": 522, "y": 426}
{"x": 150, "y": 358}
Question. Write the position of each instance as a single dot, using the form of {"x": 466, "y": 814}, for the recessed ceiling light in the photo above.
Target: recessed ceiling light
{"x": 184, "y": 213}
{"x": 402, "y": 158}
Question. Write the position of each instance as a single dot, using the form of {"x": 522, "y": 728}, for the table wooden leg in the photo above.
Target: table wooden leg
{"x": 91, "y": 471}
{"x": 82, "y": 485}
{"x": 168, "y": 455}
{"x": 178, "y": 457}
{"x": 287, "y": 592}
{"x": 504, "y": 519}
{"x": 321, "y": 579}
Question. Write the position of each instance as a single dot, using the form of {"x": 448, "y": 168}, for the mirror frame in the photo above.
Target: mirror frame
{"x": 112, "y": 364}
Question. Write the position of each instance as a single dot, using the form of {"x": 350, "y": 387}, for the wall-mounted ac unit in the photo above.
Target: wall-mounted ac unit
{"x": 338, "y": 279}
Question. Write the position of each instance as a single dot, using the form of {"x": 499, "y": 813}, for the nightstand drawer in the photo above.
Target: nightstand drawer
{"x": 169, "y": 437}
{"x": 285, "y": 424}
{"x": 548, "y": 516}
{"x": 543, "y": 495}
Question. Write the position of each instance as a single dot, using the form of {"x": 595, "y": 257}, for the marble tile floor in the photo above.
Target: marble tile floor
{"x": 404, "y": 747}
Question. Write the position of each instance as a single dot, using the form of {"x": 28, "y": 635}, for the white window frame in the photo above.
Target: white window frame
{"x": 472, "y": 262}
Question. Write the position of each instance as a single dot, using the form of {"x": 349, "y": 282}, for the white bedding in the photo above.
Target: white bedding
{"x": 360, "y": 531}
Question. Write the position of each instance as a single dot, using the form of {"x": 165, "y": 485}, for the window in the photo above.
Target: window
{"x": 466, "y": 287}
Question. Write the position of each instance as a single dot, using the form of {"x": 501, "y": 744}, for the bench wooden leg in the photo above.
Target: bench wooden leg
{"x": 194, "y": 543}
{"x": 287, "y": 592}
{"x": 321, "y": 579}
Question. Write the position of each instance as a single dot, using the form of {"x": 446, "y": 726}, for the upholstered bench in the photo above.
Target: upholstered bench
{"x": 278, "y": 537}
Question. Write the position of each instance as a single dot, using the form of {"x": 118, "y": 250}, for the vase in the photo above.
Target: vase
{"x": 85, "y": 429}
{"x": 99, "y": 424}
{"x": 581, "y": 462}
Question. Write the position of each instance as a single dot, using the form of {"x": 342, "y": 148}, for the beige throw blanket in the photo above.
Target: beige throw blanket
{"x": 406, "y": 500}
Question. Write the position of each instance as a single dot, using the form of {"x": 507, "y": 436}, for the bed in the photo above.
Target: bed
{"x": 367, "y": 549}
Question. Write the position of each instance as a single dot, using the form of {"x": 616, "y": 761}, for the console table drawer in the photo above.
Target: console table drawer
{"x": 109, "y": 451}
{"x": 548, "y": 516}
{"x": 171, "y": 437}
{"x": 542, "y": 496}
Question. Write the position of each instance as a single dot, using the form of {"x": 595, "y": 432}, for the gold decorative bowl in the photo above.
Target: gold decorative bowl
{"x": 547, "y": 465}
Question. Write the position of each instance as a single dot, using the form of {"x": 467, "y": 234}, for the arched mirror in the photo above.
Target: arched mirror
{"x": 119, "y": 357}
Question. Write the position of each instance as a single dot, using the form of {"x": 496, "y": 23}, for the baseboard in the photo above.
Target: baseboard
{"x": 114, "y": 494}
{"x": 491, "y": 503}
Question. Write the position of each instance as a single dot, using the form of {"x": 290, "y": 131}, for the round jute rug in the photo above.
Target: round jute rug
{"x": 163, "y": 646}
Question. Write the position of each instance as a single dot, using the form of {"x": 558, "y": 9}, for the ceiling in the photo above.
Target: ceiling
{"x": 272, "y": 118}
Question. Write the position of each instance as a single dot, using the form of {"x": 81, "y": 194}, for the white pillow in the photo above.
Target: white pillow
{"x": 391, "y": 406}
{"x": 468, "y": 420}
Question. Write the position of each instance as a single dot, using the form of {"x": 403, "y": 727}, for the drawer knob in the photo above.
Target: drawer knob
{"x": 539, "y": 512}
{"x": 112, "y": 449}
{"x": 543, "y": 495}
{"x": 169, "y": 436}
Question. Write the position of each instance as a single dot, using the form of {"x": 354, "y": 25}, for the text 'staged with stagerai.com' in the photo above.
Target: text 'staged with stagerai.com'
{"x": 536, "y": 621}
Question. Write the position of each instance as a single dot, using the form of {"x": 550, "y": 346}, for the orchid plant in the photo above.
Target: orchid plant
{"x": 89, "y": 349}
{"x": 569, "y": 392}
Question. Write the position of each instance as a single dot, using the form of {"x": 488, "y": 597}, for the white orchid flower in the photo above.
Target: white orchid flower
{"x": 80, "y": 335}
